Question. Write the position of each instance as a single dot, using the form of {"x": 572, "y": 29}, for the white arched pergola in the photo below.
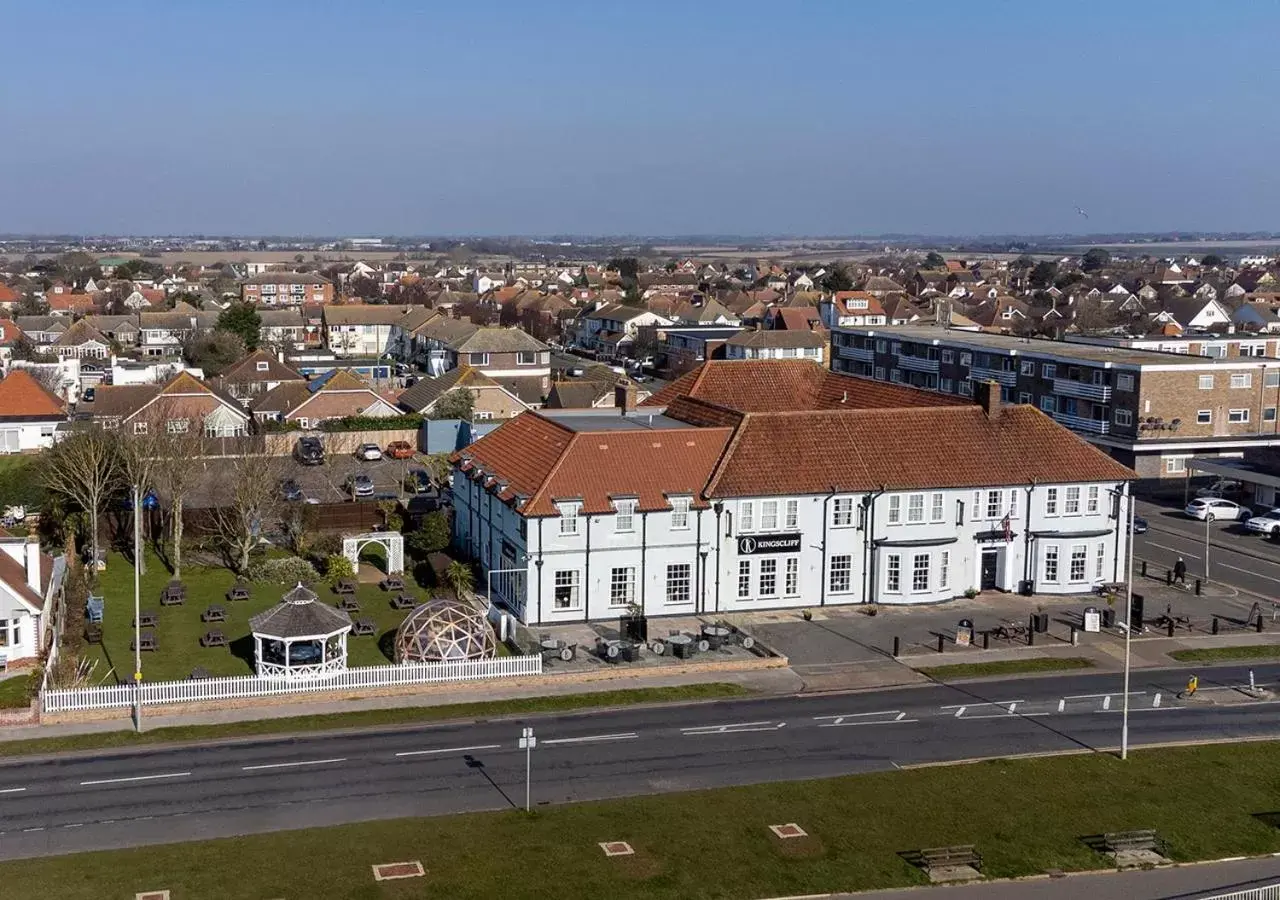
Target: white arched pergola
{"x": 300, "y": 637}
{"x": 391, "y": 541}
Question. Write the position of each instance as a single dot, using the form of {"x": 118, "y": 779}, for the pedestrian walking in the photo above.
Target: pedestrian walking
{"x": 1180, "y": 571}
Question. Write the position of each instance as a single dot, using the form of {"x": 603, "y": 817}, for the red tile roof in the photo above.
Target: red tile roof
{"x": 22, "y": 397}
{"x": 14, "y": 575}
{"x": 900, "y": 449}
{"x": 7, "y": 294}
{"x": 782, "y": 385}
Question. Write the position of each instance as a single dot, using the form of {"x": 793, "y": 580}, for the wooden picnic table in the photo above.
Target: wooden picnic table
{"x": 350, "y": 604}
{"x": 364, "y": 627}
{"x": 148, "y": 618}
{"x": 214, "y": 613}
{"x": 393, "y": 583}
{"x": 238, "y": 591}
{"x": 345, "y": 586}
{"x": 93, "y": 634}
{"x": 148, "y": 641}
{"x": 173, "y": 594}
{"x": 213, "y": 638}
{"x": 199, "y": 672}
{"x": 404, "y": 601}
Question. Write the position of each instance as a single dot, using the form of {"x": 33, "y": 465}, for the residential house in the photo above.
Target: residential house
{"x": 701, "y": 508}
{"x": 29, "y": 582}
{"x": 606, "y": 329}
{"x": 775, "y": 344}
{"x": 255, "y": 375}
{"x": 9, "y": 298}
{"x": 29, "y": 414}
{"x": 81, "y": 341}
{"x": 519, "y": 362}
{"x": 123, "y": 330}
{"x": 852, "y": 308}
{"x": 165, "y": 332}
{"x": 286, "y": 289}
{"x": 490, "y": 400}
{"x": 361, "y": 330}
{"x": 182, "y": 403}
{"x": 682, "y": 349}
{"x": 286, "y": 329}
{"x": 42, "y": 330}
{"x": 334, "y": 395}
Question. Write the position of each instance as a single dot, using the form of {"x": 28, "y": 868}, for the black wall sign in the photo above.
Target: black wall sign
{"x": 752, "y": 545}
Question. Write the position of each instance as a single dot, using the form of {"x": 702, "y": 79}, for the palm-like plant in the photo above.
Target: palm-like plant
{"x": 460, "y": 579}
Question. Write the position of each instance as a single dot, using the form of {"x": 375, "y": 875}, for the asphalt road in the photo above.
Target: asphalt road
{"x": 97, "y": 801}
{"x": 1235, "y": 557}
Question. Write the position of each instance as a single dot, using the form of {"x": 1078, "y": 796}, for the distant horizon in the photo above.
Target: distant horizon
{"x": 570, "y": 117}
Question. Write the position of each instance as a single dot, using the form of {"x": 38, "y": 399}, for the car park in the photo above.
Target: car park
{"x": 369, "y": 452}
{"x": 1208, "y": 509}
{"x": 400, "y": 450}
{"x": 360, "y": 485}
{"x": 1267, "y": 523}
{"x": 309, "y": 451}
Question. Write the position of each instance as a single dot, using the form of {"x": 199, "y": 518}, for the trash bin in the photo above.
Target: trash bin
{"x": 1108, "y": 618}
{"x": 1040, "y": 621}
{"x": 1026, "y": 587}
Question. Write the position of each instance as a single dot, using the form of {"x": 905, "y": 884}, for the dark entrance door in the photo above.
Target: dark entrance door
{"x": 990, "y": 558}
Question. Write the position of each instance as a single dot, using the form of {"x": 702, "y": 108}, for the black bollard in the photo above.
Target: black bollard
{"x": 1197, "y": 587}
{"x": 1144, "y": 568}
{"x": 1259, "y": 623}
{"x": 897, "y": 646}
{"x": 986, "y": 640}
{"x": 940, "y": 640}
{"x": 1171, "y": 628}
{"x": 1215, "y": 625}
{"x": 1168, "y": 576}
{"x": 1031, "y": 637}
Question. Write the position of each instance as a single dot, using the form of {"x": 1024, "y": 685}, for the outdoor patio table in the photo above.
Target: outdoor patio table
{"x": 147, "y": 619}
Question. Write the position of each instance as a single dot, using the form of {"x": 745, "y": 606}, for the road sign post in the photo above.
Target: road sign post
{"x": 527, "y": 743}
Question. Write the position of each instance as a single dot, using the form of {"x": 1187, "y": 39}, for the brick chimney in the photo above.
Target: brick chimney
{"x": 624, "y": 397}
{"x": 33, "y": 565}
{"x": 987, "y": 393}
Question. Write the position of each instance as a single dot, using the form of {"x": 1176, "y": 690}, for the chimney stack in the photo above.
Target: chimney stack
{"x": 624, "y": 396}
{"x": 987, "y": 393}
{"x": 33, "y": 565}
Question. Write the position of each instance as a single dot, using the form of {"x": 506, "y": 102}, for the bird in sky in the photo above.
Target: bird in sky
{"x": 1082, "y": 212}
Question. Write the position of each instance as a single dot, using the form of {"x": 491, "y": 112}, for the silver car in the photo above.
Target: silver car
{"x": 1207, "y": 509}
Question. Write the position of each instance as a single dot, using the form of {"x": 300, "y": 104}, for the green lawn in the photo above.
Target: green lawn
{"x": 1006, "y": 667}
{"x": 13, "y": 692}
{"x": 373, "y": 718}
{"x": 180, "y": 627}
{"x": 1024, "y": 816}
{"x": 1226, "y": 654}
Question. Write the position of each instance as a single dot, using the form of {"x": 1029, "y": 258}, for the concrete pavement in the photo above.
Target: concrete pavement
{"x": 1177, "y": 883}
{"x": 160, "y": 794}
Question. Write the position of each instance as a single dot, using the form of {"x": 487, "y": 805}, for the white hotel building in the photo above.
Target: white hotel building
{"x": 773, "y": 484}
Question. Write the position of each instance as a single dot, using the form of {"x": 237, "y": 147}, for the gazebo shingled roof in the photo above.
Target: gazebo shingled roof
{"x": 299, "y": 614}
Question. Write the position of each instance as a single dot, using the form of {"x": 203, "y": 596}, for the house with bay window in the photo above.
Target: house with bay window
{"x": 720, "y": 495}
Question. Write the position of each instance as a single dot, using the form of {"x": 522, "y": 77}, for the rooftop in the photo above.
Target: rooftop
{"x": 586, "y": 420}
{"x": 1036, "y": 347}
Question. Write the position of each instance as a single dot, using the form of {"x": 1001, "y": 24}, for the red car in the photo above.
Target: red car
{"x": 400, "y": 450}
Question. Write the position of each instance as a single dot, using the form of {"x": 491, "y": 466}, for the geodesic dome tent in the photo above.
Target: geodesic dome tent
{"x": 444, "y": 630}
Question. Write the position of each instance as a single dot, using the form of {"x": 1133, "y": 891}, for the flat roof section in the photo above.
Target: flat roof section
{"x": 581, "y": 420}
{"x": 1038, "y": 347}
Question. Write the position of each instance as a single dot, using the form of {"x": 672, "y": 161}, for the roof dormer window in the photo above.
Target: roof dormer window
{"x": 264, "y": 365}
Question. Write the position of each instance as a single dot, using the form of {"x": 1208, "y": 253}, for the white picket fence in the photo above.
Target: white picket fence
{"x": 195, "y": 690}
{"x": 1268, "y": 892}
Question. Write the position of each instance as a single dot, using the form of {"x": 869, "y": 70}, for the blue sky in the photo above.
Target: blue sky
{"x": 572, "y": 116}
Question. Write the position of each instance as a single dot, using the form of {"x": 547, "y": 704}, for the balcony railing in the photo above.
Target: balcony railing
{"x": 917, "y": 363}
{"x": 1086, "y": 390}
{"x": 1080, "y": 423}
{"x": 859, "y": 353}
{"x": 1004, "y": 377}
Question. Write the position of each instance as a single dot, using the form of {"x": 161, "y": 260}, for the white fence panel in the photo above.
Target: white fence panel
{"x": 153, "y": 693}
{"x": 1269, "y": 892}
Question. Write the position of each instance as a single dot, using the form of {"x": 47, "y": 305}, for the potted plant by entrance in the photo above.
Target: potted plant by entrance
{"x": 633, "y": 625}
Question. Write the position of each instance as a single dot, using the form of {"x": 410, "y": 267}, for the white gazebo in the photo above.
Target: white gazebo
{"x": 300, "y": 637}
{"x": 391, "y": 541}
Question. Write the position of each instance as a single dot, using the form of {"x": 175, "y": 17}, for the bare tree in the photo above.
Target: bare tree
{"x": 246, "y": 504}
{"x": 138, "y": 452}
{"x": 85, "y": 467}
{"x": 178, "y": 472}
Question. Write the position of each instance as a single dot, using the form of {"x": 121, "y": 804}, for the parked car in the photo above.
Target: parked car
{"x": 418, "y": 481}
{"x": 291, "y": 491}
{"x": 575, "y": 371}
{"x": 89, "y": 394}
{"x": 1223, "y": 487}
{"x": 309, "y": 451}
{"x": 400, "y": 450}
{"x": 1207, "y": 509}
{"x": 1266, "y": 523}
{"x": 369, "y": 452}
{"x": 1140, "y": 525}
{"x": 360, "y": 485}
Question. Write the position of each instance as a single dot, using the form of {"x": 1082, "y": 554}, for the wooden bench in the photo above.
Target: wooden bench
{"x": 93, "y": 634}
{"x": 931, "y": 858}
{"x": 1138, "y": 840}
{"x": 213, "y": 638}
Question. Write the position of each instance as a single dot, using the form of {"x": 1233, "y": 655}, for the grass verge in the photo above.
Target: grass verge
{"x": 1006, "y": 667}
{"x": 1226, "y": 654}
{"x": 1202, "y": 800}
{"x": 369, "y": 718}
{"x": 13, "y": 691}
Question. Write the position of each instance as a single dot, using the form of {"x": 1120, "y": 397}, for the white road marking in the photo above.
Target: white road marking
{"x": 1156, "y": 701}
{"x": 959, "y": 712}
{"x": 840, "y": 720}
{"x": 1013, "y": 706}
{"x": 449, "y": 750}
{"x": 736, "y": 728}
{"x": 76, "y": 825}
{"x": 134, "y": 778}
{"x": 901, "y": 716}
{"x": 1181, "y": 553}
{"x": 1106, "y": 703}
{"x": 626, "y": 736}
{"x": 12, "y": 790}
{"x": 1062, "y": 705}
{"x": 27, "y": 830}
{"x": 288, "y": 765}
{"x": 1252, "y": 572}
{"x": 1100, "y": 696}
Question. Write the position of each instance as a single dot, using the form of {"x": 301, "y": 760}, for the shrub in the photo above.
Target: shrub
{"x": 337, "y": 567}
{"x": 289, "y": 570}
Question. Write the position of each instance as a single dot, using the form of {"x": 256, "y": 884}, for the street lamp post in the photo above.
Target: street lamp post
{"x": 1128, "y": 633}
{"x": 137, "y": 603}
{"x": 1206, "y": 546}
